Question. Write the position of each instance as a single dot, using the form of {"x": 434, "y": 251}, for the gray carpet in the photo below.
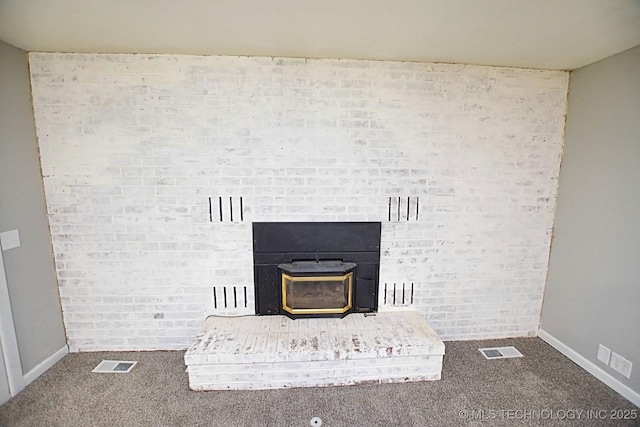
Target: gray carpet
{"x": 543, "y": 388}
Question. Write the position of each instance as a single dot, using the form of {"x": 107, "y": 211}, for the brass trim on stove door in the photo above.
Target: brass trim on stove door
{"x": 348, "y": 276}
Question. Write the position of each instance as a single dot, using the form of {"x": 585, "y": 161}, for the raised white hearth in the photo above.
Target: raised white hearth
{"x": 269, "y": 352}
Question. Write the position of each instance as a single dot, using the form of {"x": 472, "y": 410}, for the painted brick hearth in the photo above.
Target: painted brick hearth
{"x": 267, "y": 352}
{"x": 155, "y": 167}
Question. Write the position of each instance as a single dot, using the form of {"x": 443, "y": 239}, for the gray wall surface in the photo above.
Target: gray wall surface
{"x": 593, "y": 284}
{"x": 30, "y": 272}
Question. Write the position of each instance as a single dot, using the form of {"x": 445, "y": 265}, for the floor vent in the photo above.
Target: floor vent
{"x": 114, "y": 367}
{"x": 500, "y": 352}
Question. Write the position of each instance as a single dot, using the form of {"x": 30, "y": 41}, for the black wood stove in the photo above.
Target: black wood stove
{"x": 316, "y": 269}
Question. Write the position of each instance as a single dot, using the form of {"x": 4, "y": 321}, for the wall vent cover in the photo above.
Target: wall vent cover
{"x": 115, "y": 366}
{"x": 500, "y": 352}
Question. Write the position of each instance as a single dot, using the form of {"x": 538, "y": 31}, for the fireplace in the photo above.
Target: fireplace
{"x": 307, "y": 271}
{"x": 316, "y": 269}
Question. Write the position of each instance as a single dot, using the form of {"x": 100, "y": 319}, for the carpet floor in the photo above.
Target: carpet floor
{"x": 541, "y": 388}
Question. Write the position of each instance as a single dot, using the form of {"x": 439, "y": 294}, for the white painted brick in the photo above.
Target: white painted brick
{"x": 274, "y": 352}
{"x": 133, "y": 146}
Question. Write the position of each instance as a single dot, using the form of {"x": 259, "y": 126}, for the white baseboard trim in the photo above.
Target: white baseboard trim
{"x": 43, "y": 366}
{"x": 629, "y": 394}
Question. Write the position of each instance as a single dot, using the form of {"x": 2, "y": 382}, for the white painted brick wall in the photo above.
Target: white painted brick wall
{"x": 134, "y": 148}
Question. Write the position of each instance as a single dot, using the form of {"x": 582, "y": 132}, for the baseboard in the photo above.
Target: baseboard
{"x": 592, "y": 368}
{"x": 43, "y": 366}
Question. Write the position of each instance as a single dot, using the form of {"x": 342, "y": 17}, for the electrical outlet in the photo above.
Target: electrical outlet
{"x": 604, "y": 354}
{"x": 620, "y": 364}
{"x": 9, "y": 240}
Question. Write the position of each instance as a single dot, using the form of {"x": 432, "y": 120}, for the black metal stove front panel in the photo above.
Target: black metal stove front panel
{"x": 277, "y": 243}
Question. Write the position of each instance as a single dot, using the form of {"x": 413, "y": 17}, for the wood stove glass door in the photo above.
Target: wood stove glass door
{"x": 317, "y": 294}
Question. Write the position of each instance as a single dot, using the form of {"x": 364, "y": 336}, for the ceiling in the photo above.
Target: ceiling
{"x": 546, "y": 34}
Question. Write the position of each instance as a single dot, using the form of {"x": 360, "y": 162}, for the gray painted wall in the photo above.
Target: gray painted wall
{"x": 30, "y": 272}
{"x": 593, "y": 285}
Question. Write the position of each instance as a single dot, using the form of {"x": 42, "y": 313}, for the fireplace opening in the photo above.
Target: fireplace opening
{"x": 317, "y": 287}
{"x": 316, "y": 269}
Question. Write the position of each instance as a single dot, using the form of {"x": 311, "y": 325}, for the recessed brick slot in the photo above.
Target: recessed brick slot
{"x": 316, "y": 269}
{"x": 226, "y": 209}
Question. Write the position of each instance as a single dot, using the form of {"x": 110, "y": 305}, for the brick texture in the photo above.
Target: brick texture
{"x": 155, "y": 165}
{"x": 267, "y": 352}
